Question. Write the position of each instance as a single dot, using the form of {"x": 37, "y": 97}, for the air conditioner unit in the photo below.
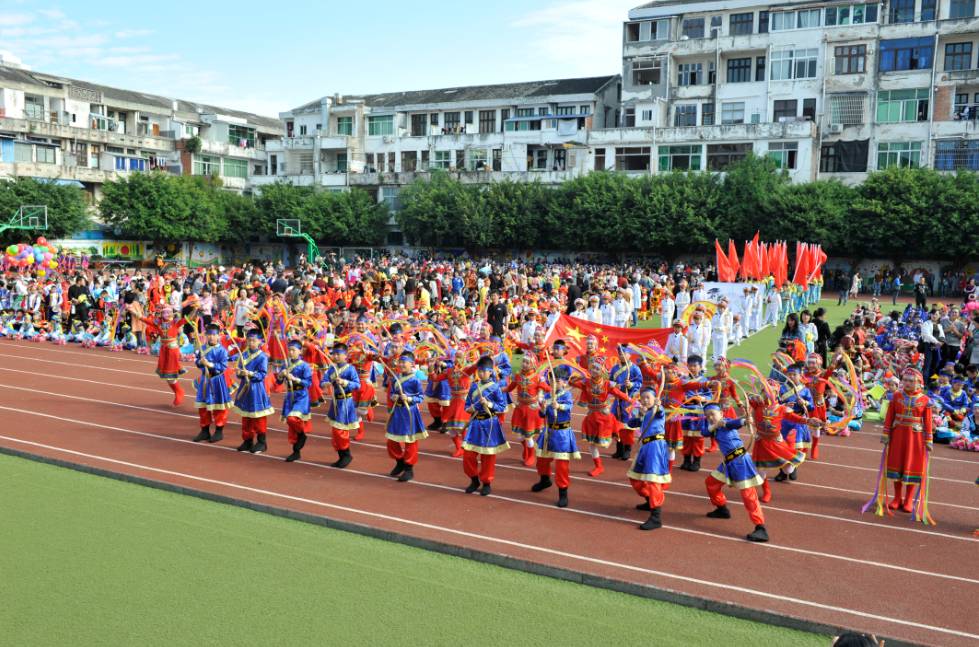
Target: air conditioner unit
{"x": 835, "y": 129}
{"x": 388, "y": 139}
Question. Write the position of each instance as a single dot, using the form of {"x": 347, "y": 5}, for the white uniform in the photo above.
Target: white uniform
{"x": 622, "y": 312}
{"x": 594, "y": 315}
{"x": 757, "y": 322}
{"x": 677, "y": 347}
{"x": 721, "y": 325}
{"x": 667, "y": 310}
{"x": 774, "y": 307}
{"x": 698, "y": 336}
{"x": 746, "y": 317}
{"x": 608, "y": 315}
{"x": 682, "y": 300}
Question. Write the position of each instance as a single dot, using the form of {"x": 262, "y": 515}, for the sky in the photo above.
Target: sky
{"x": 267, "y": 57}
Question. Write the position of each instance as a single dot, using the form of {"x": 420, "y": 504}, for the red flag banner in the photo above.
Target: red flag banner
{"x": 756, "y": 260}
{"x": 724, "y": 270}
{"x": 732, "y": 258}
{"x": 574, "y": 332}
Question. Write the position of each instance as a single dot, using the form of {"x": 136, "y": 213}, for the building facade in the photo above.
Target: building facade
{"x": 76, "y": 132}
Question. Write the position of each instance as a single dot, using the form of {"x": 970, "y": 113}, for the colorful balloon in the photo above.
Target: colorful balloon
{"x": 53, "y": 265}
{"x": 41, "y": 274}
{"x": 41, "y": 240}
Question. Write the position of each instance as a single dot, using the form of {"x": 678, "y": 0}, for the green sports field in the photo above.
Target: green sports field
{"x": 86, "y": 560}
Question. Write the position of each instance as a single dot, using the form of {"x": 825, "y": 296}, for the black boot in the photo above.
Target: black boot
{"x": 398, "y": 468}
{"x": 562, "y": 497}
{"x": 759, "y": 534}
{"x": 436, "y": 425}
{"x": 794, "y": 475}
{"x": 687, "y": 462}
{"x": 781, "y": 476}
{"x": 294, "y": 456}
{"x": 653, "y": 522}
{"x": 301, "y": 440}
{"x": 695, "y": 464}
{"x": 626, "y": 452}
{"x": 486, "y": 490}
{"x": 473, "y": 485}
{"x": 542, "y": 484}
{"x": 245, "y": 446}
{"x": 259, "y": 447}
{"x": 204, "y": 435}
{"x": 720, "y": 512}
{"x": 644, "y": 505}
{"x": 344, "y": 458}
{"x": 217, "y": 435}
{"x": 618, "y": 449}
{"x": 407, "y": 474}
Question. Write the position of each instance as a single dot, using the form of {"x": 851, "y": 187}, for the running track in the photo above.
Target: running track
{"x": 826, "y": 564}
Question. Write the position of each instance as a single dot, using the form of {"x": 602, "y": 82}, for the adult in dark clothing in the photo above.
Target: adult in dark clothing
{"x": 496, "y": 315}
{"x": 574, "y": 293}
{"x": 921, "y": 293}
{"x": 823, "y": 333}
{"x": 80, "y": 299}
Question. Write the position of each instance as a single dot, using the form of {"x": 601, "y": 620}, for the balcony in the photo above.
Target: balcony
{"x": 90, "y": 135}
{"x": 226, "y": 149}
{"x": 697, "y": 134}
{"x": 960, "y": 75}
{"x": 334, "y": 141}
{"x": 291, "y": 143}
{"x": 57, "y": 172}
{"x": 466, "y": 177}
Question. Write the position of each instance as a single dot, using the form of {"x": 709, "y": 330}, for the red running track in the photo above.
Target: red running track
{"x": 826, "y": 564}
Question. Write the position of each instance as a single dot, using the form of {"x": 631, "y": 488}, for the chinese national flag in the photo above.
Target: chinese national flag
{"x": 574, "y": 332}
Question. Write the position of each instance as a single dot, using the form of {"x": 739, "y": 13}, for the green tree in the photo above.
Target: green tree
{"x": 439, "y": 211}
{"x": 67, "y": 207}
{"x": 281, "y": 200}
{"x": 749, "y": 190}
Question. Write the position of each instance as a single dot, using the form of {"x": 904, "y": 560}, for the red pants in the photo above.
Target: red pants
{"x": 627, "y": 435}
{"x": 561, "y": 470}
{"x": 251, "y": 427}
{"x": 296, "y": 427}
{"x": 649, "y": 490}
{"x": 435, "y": 409}
{"x": 748, "y": 496}
{"x": 219, "y": 418}
{"x": 481, "y": 465}
{"x": 693, "y": 445}
{"x": 341, "y": 439}
{"x": 407, "y": 452}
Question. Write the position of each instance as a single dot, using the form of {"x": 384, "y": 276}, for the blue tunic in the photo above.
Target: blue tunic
{"x": 212, "y": 388}
{"x": 652, "y": 460}
{"x": 620, "y": 374}
{"x": 405, "y": 423}
{"x": 557, "y": 439}
{"x": 692, "y": 422}
{"x": 484, "y": 435}
{"x": 438, "y": 391}
{"x": 251, "y": 398}
{"x": 737, "y": 469}
{"x": 343, "y": 408}
{"x": 296, "y": 401}
{"x": 800, "y": 401}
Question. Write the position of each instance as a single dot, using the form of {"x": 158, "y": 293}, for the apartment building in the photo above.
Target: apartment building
{"x": 82, "y": 133}
{"x": 827, "y": 89}
{"x": 517, "y": 131}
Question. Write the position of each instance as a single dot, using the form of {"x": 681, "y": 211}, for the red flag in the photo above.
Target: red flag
{"x": 575, "y": 331}
{"x": 747, "y": 261}
{"x": 756, "y": 257}
{"x": 723, "y": 265}
{"x": 781, "y": 267}
{"x": 801, "y": 264}
{"x": 766, "y": 260}
{"x": 818, "y": 259}
{"x": 732, "y": 258}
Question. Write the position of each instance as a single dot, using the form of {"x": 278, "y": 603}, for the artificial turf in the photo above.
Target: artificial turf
{"x": 86, "y": 560}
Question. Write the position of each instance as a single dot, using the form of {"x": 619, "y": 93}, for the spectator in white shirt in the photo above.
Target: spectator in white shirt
{"x": 529, "y": 328}
{"x": 622, "y": 309}
{"x": 721, "y": 327}
{"x": 608, "y": 311}
{"x": 677, "y": 344}
{"x": 579, "y": 310}
{"x": 698, "y": 334}
{"x": 594, "y": 311}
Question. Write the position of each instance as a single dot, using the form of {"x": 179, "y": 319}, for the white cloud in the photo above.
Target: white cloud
{"x": 9, "y": 19}
{"x": 133, "y": 33}
{"x": 53, "y": 14}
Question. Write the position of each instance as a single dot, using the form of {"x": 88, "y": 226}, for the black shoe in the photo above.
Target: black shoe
{"x": 542, "y": 484}
{"x": 653, "y": 522}
{"x": 301, "y": 440}
{"x": 436, "y": 423}
{"x": 217, "y": 435}
{"x": 644, "y": 506}
{"x": 486, "y": 490}
{"x": 204, "y": 435}
{"x": 259, "y": 447}
{"x": 695, "y": 464}
{"x": 398, "y": 468}
{"x": 687, "y": 462}
{"x": 562, "y": 497}
{"x": 759, "y": 534}
{"x": 294, "y": 456}
{"x": 794, "y": 475}
{"x": 720, "y": 512}
{"x": 781, "y": 476}
{"x": 245, "y": 446}
{"x": 618, "y": 449}
{"x": 473, "y": 485}
{"x": 407, "y": 474}
{"x": 344, "y": 459}
{"x": 626, "y": 452}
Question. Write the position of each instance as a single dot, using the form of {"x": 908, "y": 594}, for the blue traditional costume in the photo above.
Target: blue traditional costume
{"x": 252, "y": 399}
{"x": 213, "y": 400}
{"x": 484, "y": 437}
{"x": 344, "y": 381}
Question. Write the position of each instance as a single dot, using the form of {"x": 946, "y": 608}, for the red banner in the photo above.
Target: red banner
{"x": 575, "y": 331}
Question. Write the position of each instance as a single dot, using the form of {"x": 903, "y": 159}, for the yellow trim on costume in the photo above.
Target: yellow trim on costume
{"x": 487, "y": 451}
{"x": 651, "y": 478}
{"x": 413, "y": 438}
{"x": 602, "y": 442}
{"x": 741, "y": 485}
{"x": 296, "y": 414}
{"x": 221, "y": 406}
{"x": 256, "y": 414}
{"x": 348, "y": 426}
{"x": 558, "y": 456}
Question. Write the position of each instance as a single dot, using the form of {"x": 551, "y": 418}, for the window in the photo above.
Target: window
{"x": 419, "y": 125}
{"x": 390, "y": 195}
{"x": 788, "y": 63}
{"x": 451, "y": 121}
{"x": 785, "y": 154}
{"x": 760, "y": 68}
{"x": 443, "y": 159}
{"x": 679, "y": 158}
{"x": 739, "y": 70}
{"x": 741, "y": 23}
{"x": 962, "y": 9}
{"x": 33, "y": 107}
{"x": 782, "y": 20}
{"x": 763, "y": 22}
{"x": 477, "y": 159}
{"x": 409, "y": 161}
{"x": 685, "y": 115}
{"x": 647, "y": 71}
{"x": 599, "y": 159}
{"x": 564, "y": 110}
{"x": 460, "y": 159}
{"x": 957, "y": 155}
{"x": 927, "y": 10}
{"x": 856, "y": 14}
{"x": 902, "y": 154}
{"x": 809, "y": 109}
{"x": 808, "y": 18}
{"x": 961, "y": 103}
{"x": 235, "y": 168}
{"x": 711, "y": 73}
{"x": 469, "y": 117}
{"x": 345, "y": 126}
{"x": 732, "y": 113}
{"x": 850, "y": 59}
{"x": 901, "y": 11}
{"x": 720, "y": 156}
{"x": 47, "y": 155}
{"x": 847, "y": 109}
{"x": 844, "y": 157}
{"x": 693, "y": 28}
{"x": 23, "y": 152}
{"x": 497, "y": 159}
{"x": 241, "y": 136}
{"x": 206, "y": 165}
{"x": 584, "y": 110}
{"x": 342, "y": 162}
{"x": 905, "y": 54}
{"x": 380, "y": 125}
{"x": 539, "y": 159}
{"x": 629, "y": 117}
{"x": 689, "y": 73}
{"x": 707, "y": 114}
{"x": 632, "y": 31}
{"x": 784, "y": 109}
{"x": 902, "y": 105}
{"x": 634, "y": 158}
{"x": 504, "y": 115}
{"x": 958, "y": 56}
{"x": 647, "y": 115}
{"x": 487, "y": 121}
{"x": 302, "y": 130}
